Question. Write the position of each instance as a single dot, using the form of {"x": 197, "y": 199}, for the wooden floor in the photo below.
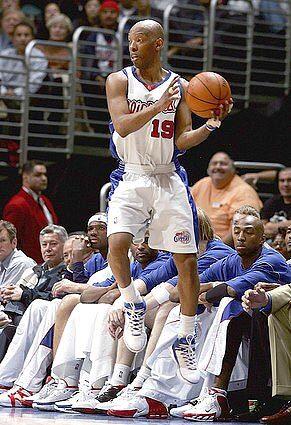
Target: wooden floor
{"x": 36, "y": 417}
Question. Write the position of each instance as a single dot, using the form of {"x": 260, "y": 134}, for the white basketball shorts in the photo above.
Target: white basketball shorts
{"x": 158, "y": 202}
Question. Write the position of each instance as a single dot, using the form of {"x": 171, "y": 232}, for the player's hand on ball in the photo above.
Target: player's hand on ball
{"x": 223, "y": 110}
{"x": 169, "y": 95}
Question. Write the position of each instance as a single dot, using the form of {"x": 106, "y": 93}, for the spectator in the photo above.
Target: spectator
{"x": 127, "y": 8}
{"x": 60, "y": 29}
{"x": 276, "y": 303}
{"x": 279, "y": 243}
{"x": 38, "y": 282}
{"x": 276, "y": 211}
{"x": 12, "y": 72}
{"x": 13, "y": 262}
{"x": 29, "y": 210}
{"x": 220, "y": 194}
{"x": 8, "y": 22}
{"x": 51, "y": 9}
{"x": 90, "y": 15}
{"x": 8, "y": 5}
{"x": 101, "y": 58}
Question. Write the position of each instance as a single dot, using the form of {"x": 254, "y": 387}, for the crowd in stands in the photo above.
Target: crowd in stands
{"x": 59, "y": 291}
{"x": 50, "y": 64}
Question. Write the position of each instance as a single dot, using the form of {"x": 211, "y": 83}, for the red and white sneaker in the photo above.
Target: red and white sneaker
{"x": 212, "y": 406}
{"x": 4, "y": 388}
{"x": 14, "y": 397}
{"x": 139, "y": 406}
{"x": 50, "y": 386}
{"x": 178, "y": 412}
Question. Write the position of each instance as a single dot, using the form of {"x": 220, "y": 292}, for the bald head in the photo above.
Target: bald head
{"x": 149, "y": 27}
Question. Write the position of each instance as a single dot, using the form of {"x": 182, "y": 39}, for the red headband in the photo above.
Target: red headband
{"x": 109, "y": 4}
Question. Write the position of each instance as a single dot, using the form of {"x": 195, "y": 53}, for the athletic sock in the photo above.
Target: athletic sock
{"x": 130, "y": 294}
{"x": 120, "y": 375}
{"x": 142, "y": 375}
{"x": 186, "y": 325}
{"x": 97, "y": 385}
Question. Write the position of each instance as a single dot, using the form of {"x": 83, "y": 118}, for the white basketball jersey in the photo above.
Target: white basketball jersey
{"x": 153, "y": 144}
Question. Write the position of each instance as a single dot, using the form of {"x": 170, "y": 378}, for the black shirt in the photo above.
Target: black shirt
{"x": 276, "y": 208}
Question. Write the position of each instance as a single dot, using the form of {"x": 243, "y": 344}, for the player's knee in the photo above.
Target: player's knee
{"x": 68, "y": 303}
{"x": 186, "y": 262}
{"x": 118, "y": 246}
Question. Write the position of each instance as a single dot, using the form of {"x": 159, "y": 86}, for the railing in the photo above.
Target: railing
{"x": 271, "y": 49}
{"x": 70, "y": 106}
{"x": 48, "y": 103}
{"x": 259, "y": 166}
{"x": 95, "y": 59}
{"x": 186, "y": 38}
{"x": 12, "y": 86}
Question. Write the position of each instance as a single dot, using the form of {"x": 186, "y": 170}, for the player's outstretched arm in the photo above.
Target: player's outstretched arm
{"x": 124, "y": 122}
{"x": 185, "y": 136}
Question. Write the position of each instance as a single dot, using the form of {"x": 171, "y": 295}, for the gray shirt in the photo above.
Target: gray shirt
{"x": 13, "y": 72}
{"x": 13, "y": 266}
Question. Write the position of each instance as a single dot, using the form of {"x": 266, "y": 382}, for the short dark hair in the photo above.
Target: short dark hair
{"x": 11, "y": 229}
{"x": 25, "y": 23}
{"x": 28, "y": 167}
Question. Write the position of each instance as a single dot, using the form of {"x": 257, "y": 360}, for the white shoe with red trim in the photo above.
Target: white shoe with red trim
{"x": 60, "y": 393}
{"x": 178, "y": 412}
{"x": 14, "y": 397}
{"x": 213, "y": 406}
{"x": 44, "y": 392}
{"x": 139, "y": 406}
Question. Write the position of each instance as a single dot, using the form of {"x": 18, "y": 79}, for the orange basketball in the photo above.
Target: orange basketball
{"x": 206, "y": 91}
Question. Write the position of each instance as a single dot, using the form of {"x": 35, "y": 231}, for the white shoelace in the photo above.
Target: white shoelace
{"x": 187, "y": 352}
{"x": 127, "y": 392}
{"x": 135, "y": 320}
{"x": 47, "y": 389}
{"x": 104, "y": 389}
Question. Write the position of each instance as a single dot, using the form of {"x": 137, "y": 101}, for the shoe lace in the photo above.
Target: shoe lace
{"x": 47, "y": 389}
{"x": 135, "y": 321}
{"x": 187, "y": 352}
{"x": 127, "y": 392}
{"x": 105, "y": 388}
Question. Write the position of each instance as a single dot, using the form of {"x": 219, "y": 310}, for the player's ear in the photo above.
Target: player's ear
{"x": 159, "y": 44}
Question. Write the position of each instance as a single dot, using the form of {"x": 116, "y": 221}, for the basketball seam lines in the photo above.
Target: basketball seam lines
{"x": 208, "y": 89}
{"x": 219, "y": 85}
{"x": 204, "y": 101}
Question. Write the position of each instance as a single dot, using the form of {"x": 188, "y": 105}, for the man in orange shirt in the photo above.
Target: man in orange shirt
{"x": 223, "y": 192}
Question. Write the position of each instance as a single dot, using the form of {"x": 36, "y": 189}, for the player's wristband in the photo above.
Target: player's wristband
{"x": 160, "y": 293}
{"x": 212, "y": 124}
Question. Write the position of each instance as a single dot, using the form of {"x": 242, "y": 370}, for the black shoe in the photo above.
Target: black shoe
{"x": 109, "y": 392}
{"x": 261, "y": 409}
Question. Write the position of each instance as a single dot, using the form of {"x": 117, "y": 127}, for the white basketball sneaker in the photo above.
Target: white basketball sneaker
{"x": 43, "y": 393}
{"x": 14, "y": 397}
{"x": 213, "y": 406}
{"x": 60, "y": 393}
{"x": 178, "y": 412}
{"x": 139, "y": 406}
{"x": 185, "y": 355}
{"x": 134, "y": 335}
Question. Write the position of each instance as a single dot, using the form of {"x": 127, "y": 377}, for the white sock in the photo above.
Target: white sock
{"x": 187, "y": 324}
{"x": 130, "y": 294}
{"x": 142, "y": 375}
{"x": 120, "y": 374}
{"x": 97, "y": 385}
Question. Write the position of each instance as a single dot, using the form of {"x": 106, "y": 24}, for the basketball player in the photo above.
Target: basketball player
{"x": 151, "y": 126}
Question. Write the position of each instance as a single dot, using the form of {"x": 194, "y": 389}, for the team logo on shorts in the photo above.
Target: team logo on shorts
{"x": 183, "y": 236}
